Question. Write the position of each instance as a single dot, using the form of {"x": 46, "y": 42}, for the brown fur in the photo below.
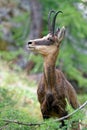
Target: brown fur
{"x": 52, "y": 91}
{"x": 53, "y": 88}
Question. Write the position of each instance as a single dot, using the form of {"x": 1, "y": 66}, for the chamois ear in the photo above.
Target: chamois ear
{"x": 61, "y": 34}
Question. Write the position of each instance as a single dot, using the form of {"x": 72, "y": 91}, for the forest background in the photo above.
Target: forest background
{"x": 20, "y": 70}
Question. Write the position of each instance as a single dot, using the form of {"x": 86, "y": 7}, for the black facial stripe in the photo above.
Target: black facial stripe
{"x": 44, "y": 42}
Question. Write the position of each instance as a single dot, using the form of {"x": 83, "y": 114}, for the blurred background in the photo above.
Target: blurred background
{"x": 20, "y": 70}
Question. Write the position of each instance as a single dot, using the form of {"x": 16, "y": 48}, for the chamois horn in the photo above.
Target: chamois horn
{"x": 49, "y": 21}
{"x": 54, "y": 20}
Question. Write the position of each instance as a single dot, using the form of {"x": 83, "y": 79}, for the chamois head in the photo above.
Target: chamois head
{"x": 49, "y": 44}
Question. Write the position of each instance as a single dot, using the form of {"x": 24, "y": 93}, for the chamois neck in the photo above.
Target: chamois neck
{"x": 50, "y": 73}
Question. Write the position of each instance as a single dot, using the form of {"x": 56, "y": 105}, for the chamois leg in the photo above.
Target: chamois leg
{"x": 45, "y": 113}
{"x": 62, "y": 122}
{"x": 61, "y": 111}
{"x": 46, "y": 106}
{"x": 72, "y": 98}
{"x": 71, "y": 95}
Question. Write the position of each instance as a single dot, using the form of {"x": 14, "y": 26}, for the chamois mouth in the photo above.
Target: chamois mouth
{"x": 31, "y": 47}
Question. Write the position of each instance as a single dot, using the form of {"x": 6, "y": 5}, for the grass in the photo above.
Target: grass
{"x": 18, "y": 101}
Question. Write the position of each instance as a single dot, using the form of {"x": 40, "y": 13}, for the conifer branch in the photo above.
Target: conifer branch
{"x": 42, "y": 123}
{"x": 69, "y": 115}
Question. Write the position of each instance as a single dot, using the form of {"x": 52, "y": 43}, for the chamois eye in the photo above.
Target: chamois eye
{"x": 51, "y": 40}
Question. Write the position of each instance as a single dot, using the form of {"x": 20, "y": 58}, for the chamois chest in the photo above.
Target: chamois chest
{"x": 55, "y": 88}
{"x": 52, "y": 98}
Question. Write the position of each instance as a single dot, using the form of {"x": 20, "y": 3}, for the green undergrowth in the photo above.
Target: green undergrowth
{"x": 18, "y": 102}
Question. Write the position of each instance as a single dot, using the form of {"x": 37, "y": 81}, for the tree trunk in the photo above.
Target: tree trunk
{"x": 35, "y": 19}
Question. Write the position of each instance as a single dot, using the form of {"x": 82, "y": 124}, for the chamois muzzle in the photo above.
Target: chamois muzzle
{"x": 29, "y": 42}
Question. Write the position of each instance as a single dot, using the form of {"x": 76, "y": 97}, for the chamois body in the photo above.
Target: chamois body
{"x": 53, "y": 101}
{"x": 53, "y": 89}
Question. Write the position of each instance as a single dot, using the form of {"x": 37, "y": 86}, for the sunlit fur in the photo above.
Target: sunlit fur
{"x": 53, "y": 89}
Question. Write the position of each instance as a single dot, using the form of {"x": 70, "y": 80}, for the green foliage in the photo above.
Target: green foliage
{"x": 73, "y": 51}
{"x": 0, "y": 31}
{"x": 20, "y": 33}
{"x": 38, "y": 63}
{"x": 18, "y": 101}
{"x": 8, "y": 56}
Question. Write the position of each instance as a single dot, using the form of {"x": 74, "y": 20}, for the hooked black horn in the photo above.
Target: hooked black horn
{"x": 54, "y": 20}
{"x": 49, "y": 24}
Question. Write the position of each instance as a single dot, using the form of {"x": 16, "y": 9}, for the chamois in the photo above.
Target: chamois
{"x": 53, "y": 89}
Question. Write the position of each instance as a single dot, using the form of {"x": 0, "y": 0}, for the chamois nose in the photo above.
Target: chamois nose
{"x": 29, "y": 42}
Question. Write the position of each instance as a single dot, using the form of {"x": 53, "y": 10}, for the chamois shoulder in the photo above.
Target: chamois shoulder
{"x": 60, "y": 74}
